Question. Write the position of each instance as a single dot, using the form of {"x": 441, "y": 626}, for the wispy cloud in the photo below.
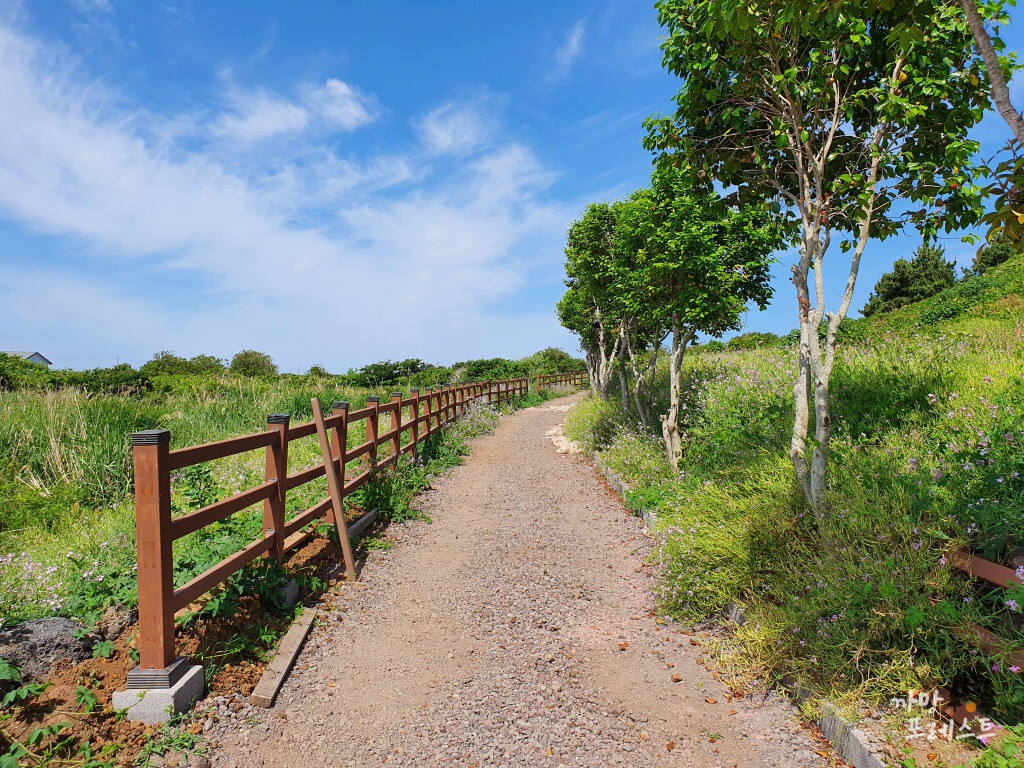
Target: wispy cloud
{"x": 257, "y": 114}
{"x": 452, "y": 128}
{"x": 234, "y": 250}
{"x": 568, "y": 52}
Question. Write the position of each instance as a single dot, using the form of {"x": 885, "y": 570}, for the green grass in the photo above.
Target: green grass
{"x": 67, "y": 523}
{"x": 928, "y": 434}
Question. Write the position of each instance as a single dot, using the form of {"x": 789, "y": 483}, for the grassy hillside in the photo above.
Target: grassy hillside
{"x": 928, "y": 409}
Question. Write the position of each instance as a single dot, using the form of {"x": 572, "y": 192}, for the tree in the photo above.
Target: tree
{"x": 591, "y": 308}
{"x": 927, "y": 273}
{"x": 552, "y": 360}
{"x": 703, "y": 265}
{"x": 833, "y": 112}
{"x": 999, "y": 249}
{"x": 251, "y": 363}
{"x": 993, "y": 66}
{"x": 166, "y": 363}
{"x": 206, "y": 364}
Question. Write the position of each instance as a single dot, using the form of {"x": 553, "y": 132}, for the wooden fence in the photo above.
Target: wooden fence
{"x": 575, "y": 379}
{"x": 416, "y": 417}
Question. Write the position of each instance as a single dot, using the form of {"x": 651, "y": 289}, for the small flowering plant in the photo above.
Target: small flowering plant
{"x": 97, "y": 583}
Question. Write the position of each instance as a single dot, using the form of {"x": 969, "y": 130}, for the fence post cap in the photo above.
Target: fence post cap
{"x": 395, "y": 394}
{"x": 373, "y": 399}
{"x": 151, "y": 437}
{"x": 340, "y": 405}
{"x": 429, "y": 389}
{"x": 278, "y": 418}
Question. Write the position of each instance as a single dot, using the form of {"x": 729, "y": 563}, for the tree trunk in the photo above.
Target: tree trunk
{"x": 623, "y": 388}
{"x": 670, "y": 421}
{"x": 1000, "y": 93}
{"x": 801, "y": 391}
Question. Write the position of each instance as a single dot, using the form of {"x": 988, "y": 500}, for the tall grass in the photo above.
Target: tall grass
{"x": 927, "y": 456}
{"x": 66, "y": 475}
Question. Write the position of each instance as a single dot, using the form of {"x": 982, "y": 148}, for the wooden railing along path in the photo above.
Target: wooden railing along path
{"x": 576, "y": 379}
{"x": 417, "y": 418}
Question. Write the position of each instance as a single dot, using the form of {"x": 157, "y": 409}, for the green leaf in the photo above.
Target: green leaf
{"x": 9, "y": 672}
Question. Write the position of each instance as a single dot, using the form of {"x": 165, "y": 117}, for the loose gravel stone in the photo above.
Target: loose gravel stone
{"x": 515, "y": 630}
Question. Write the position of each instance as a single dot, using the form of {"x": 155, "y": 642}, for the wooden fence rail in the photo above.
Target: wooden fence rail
{"x": 416, "y": 418}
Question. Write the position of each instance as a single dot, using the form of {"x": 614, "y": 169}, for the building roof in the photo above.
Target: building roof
{"x": 25, "y": 355}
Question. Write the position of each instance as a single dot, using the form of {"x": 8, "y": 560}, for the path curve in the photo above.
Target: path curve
{"x": 514, "y": 630}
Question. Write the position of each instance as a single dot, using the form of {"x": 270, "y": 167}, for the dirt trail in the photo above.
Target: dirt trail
{"x": 512, "y": 631}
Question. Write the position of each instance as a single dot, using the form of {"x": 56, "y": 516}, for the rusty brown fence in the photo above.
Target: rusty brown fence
{"x": 417, "y": 417}
{"x": 998, "y": 576}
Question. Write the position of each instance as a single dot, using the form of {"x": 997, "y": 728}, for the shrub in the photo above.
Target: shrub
{"x": 169, "y": 364}
{"x": 992, "y": 254}
{"x": 753, "y": 340}
{"x": 251, "y": 363}
{"x": 926, "y": 274}
{"x": 953, "y": 302}
{"x": 552, "y": 360}
{"x": 593, "y": 423}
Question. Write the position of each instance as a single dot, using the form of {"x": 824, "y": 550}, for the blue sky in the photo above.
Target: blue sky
{"x": 331, "y": 183}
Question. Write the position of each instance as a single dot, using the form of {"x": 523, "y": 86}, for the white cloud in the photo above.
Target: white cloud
{"x": 453, "y": 129}
{"x": 211, "y": 250}
{"x": 93, "y": 6}
{"x": 259, "y": 115}
{"x": 568, "y": 52}
{"x": 339, "y": 104}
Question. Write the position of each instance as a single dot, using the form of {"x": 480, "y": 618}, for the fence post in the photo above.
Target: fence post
{"x": 276, "y": 468}
{"x": 429, "y": 411}
{"x": 340, "y": 408}
{"x": 151, "y": 449}
{"x": 372, "y": 426}
{"x": 489, "y": 399}
{"x": 414, "y": 414}
{"x": 396, "y": 423}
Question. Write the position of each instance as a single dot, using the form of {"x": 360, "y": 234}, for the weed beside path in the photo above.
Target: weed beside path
{"x": 516, "y": 629}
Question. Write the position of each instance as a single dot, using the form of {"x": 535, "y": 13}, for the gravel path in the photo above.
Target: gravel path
{"x": 515, "y": 630}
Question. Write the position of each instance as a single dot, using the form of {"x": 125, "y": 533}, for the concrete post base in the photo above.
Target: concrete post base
{"x": 158, "y": 705}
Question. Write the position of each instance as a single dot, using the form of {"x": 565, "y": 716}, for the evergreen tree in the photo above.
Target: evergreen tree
{"x": 927, "y": 273}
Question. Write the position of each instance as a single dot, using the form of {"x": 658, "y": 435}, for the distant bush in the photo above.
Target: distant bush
{"x": 167, "y": 363}
{"x": 16, "y": 373}
{"x": 992, "y": 254}
{"x": 754, "y": 340}
{"x": 494, "y": 369}
{"x": 552, "y": 360}
{"x": 122, "y": 379}
{"x": 251, "y": 363}
{"x": 317, "y": 370}
{"x": 953, "y": 302}
{"x": 926, "y": 274}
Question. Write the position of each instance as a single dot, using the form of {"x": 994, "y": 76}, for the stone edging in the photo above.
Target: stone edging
{"x": 849, "y": 740}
